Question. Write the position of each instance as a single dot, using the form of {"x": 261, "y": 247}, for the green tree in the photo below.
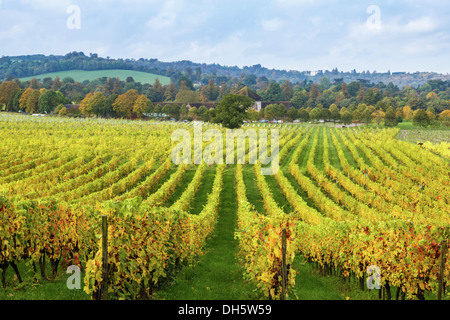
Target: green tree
{"x": 303, "y": 115}
{"x": 315, "y": 113}
{"x": 324, "y": 83}
{"x": 372, "y": 96}
{"x": 356, "y": 115}
{"x": 325, "y": 114}
{"x": 108, "y": 110}
{"x": 390, "y": 119}
{"x": 299, "y": 98}
{"x": 50, "y": 99}
{"x": 366, "y": 115}
{"x": 270, "y": 111}
{"x": 253, "y": 115}
{"x": 346, "y": 117}
{"x": 334, "y": 113}
{"x": 231, "y": 111}
{"x": 292, "y": 114}
{"x": 184, "y": 112}
{"x": 421, "y": 118}
{"x": 16, "y": 100}
{"x": 273, "y": 92}
{"x": 187, "y": 96}
{"x": 193, "y": 114}
{"x": 98, "y": 102}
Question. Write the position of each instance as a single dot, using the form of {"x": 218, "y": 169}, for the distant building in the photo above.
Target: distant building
{"x": 246, "y": 91}
{"x": 259, "y": 104}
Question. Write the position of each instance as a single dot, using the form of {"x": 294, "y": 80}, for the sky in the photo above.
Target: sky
{"x": 303, "y": 35}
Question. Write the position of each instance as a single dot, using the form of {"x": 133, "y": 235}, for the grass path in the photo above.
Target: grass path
{"x": 217, "y": 276}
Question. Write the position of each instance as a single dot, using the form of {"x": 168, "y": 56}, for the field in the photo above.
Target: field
{"x": 348, "y": 199}
{"x": 80, "y": 76}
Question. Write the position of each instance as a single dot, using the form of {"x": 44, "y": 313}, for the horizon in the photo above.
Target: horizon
{"x": 304, "y": 35}
{"x": 226, "y": 66}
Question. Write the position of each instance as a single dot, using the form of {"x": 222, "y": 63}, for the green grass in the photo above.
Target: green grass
{"x": 81, "y": 75}
{"x": 39, "y": 289}
{"x": 423, "y": 135}
{"x": 217, "y": 276}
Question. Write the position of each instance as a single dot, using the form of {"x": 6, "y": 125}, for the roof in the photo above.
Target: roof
{"x": 246, "y": 91}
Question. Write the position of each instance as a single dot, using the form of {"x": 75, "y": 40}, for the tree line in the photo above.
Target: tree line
{"x": 256, "y": 75}
{"x": 329, "y": 101}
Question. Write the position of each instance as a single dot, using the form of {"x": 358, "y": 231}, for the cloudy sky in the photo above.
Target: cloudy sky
{"x": 400, "y": 35}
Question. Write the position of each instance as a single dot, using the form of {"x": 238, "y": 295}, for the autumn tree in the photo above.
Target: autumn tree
{"x": 24, "y": 97}
{"x": 211, "y": 91}
{"x": 287, "y": 91}
{"x": 117, "y": 87}
{"x": 140, "y": 106}
{"x": 444, "y": 118}
{"x": 223, "y": 90}
{"x": 408, "y": 113}
{"x": 57, "y": 84}
{"x": 7, "y": 91}
{"x": 125, "y": 103}
{"x": 378, "y": 116}
{"x": 35, "y": 84}
{"x": 170, "y": 93}
{"x": 31, "y": 104}
{"x": 156, "y": 92}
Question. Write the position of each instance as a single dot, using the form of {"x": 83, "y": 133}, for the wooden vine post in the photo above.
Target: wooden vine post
{"x": 441, "y": 268}
{"x": 105, "y": 257}
{"x": 283, "y": 267}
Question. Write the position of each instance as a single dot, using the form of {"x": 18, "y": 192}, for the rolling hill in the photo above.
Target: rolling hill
{"x": 81, "y": 75}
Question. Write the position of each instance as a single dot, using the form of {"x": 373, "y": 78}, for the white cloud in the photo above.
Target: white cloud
{"x": 272, "y": 25}
{"x": 52, "y": 5}
{"x": 423, "y": 24}
{"x": 166, "y": 18}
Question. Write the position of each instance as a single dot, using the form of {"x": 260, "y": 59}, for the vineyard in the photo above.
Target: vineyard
{"x": 352, "y": 198}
